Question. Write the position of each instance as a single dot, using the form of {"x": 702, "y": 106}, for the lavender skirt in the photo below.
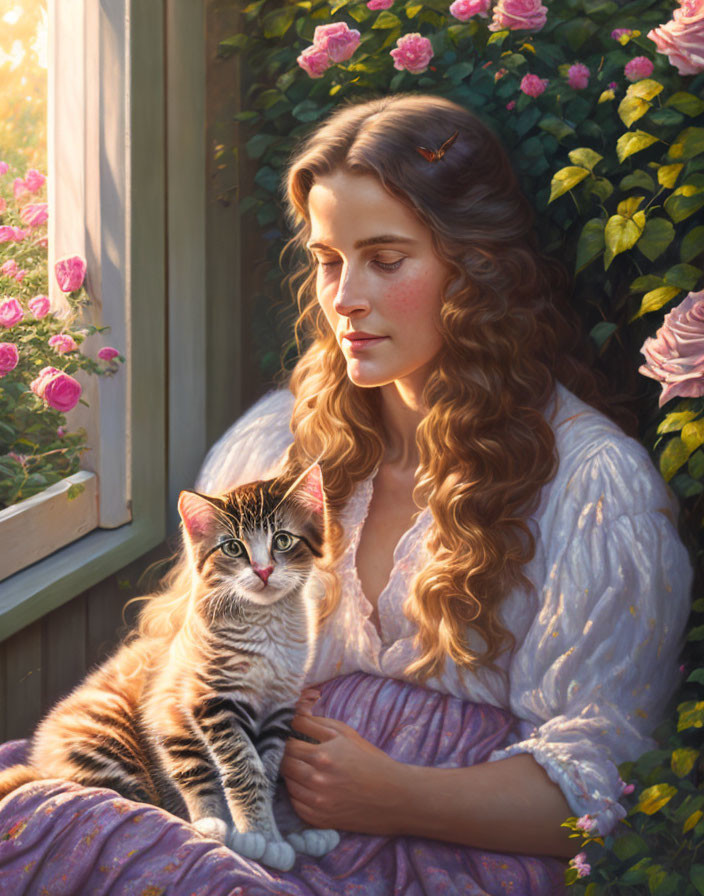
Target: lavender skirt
{"x": 58, "y": 838}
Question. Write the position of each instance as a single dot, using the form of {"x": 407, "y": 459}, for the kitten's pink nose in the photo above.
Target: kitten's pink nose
{"x": 264, "y": 572}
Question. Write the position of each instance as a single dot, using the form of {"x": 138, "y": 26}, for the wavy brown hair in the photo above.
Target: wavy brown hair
{"x": 486, "y": 448}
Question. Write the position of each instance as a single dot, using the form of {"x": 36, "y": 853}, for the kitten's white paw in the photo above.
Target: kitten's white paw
{"x": 313, "y": 841}
{"x": 212, "y": 827}
{"x": 279, "y": 855}
{"x": 249, "y": 844}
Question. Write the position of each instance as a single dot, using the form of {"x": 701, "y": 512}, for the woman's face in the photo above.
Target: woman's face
{"x": 379, "y": 281}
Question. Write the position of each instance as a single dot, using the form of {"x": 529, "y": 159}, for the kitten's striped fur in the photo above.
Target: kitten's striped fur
{"x": 193, "y": 715}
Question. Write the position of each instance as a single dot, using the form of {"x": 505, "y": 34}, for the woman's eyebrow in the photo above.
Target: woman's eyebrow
{"x": 370, "y": 241}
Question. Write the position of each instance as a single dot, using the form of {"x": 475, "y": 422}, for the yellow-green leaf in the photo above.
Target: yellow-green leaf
{"x": 685, "y": 201}
{"x": 631, "y": 108}
{"x": 621, "y": 234}
{"x": 692, "y": 821}
{"x": 693, "y": 244}
{"x": 632, "y": 142}
{"x": 693, "y": 435}
{"x": 655, "y": 299}
{"x": 654, "y": 798}
{"x": 673, "y": 457}
{"x": 565, "y": 179}
{"x": 647, "y": 89}
{"x": 657, "y": 236}
{"x": 691, "y": 715}
{"x": 689, "y": 143}
{"x": 683, "y": 761}
{"x": 675, "y": 421}
{"x": 687, "y": 103}
{"x": 413, "y": 10}
{"x": 629, "y": 206}
{"x": 605, "y": 96}
{"x": 590, "y": 243}
{"x": 585, "y": 157}
{"x": 667, "y": 175}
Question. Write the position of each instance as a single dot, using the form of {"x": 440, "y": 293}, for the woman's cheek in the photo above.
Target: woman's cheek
{"x": 412, "y": 297}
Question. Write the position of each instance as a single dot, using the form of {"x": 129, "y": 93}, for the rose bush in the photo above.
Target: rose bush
{"x": 39, "y": 354}
{"x": 607, "y": 137}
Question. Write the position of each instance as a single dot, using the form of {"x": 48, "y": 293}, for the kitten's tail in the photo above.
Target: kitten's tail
{"x": 15, "y": 777}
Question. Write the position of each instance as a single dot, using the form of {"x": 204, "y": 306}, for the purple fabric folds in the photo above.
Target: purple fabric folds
{"x": 61, "y": 839}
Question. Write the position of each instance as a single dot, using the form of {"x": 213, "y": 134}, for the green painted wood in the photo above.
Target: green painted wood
{"x": 64, "y": 650}
{"x": 22, "y": 698}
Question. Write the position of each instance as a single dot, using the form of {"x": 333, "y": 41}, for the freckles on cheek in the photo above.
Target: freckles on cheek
{"x": 409, "y": 296}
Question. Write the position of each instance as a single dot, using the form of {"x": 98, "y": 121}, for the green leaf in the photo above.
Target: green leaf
{"x": 646, "y": 283}
{"x": 631, "y": 108}
{"x": 698, "y": 678}
{"x": 657, "y": 235}
{"x": 599, "y": 187}
{"x": 692, "y": 244}
{"x": 556, "y": 126}
{"x": 458, "y": 72}
{"x": 638, "y": 178}
{"x": 632, "y": 142}
{"x": 267, "y": 178}
{"x": 565, "y": 179}
{"x": 689, "y": 143}
{"x": 386, "y": 20}
{"x": 621, "y": 234}
{"x": 691, "y": 715}
{"x": 654, "y": 798}
{"x": 601, "y": 332}
{"x": 498, "y": 37}
{"x": 683, "y": 761}
{"x": 629, "y": 845}
{"x": 674, "y": 421}
{"x": 696, "y": 634}
{"x": 672, "y": 458}
{"x": 647, "y": 89}
{"x": 685, "y": 201}
{"x": 665, "y": 118}
{"x": 257, "y": 145}
{"x": 277, "y": 23}
{"x": 591, "y": 243}
{"x": 585, "y": 158}
{"x": 696, "y": 875}
{"x": 685, "y": 276}
{"x": 655, "y": 299}
{"x": 686, "y": 103}
{"x": 74, "y": 490}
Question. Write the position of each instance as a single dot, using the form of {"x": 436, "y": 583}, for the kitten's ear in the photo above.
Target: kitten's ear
{"x": 309, "y": 492}
{"x": 198, "y": 512}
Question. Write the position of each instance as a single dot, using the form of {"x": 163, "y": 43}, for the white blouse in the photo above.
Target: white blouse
{"x": 597, "y": 642}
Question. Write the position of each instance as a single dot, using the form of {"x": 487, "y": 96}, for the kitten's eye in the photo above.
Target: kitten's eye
{"x": 283, "y": 541}
{"x": 232, "y": 548}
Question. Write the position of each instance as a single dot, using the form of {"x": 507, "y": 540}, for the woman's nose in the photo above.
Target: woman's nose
{"x": 350, "y": 296}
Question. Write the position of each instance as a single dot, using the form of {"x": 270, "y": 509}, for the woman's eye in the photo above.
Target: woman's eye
{"x": 283, "y": 541}
{"x": 232, "y": 548}
{"x": 388, "y": 265}
{"x": 328, "y": 264}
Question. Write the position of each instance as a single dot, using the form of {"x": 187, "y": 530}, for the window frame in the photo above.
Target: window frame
{"x": 123, "y": 228}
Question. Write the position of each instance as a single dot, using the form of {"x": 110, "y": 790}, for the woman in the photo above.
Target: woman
{"x": 496, "y": 538}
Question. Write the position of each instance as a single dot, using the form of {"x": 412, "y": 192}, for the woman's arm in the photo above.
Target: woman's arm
{"x": 345, "y": 782}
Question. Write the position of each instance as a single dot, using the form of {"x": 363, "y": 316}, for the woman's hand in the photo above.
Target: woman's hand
{"x": 343, "y": 782}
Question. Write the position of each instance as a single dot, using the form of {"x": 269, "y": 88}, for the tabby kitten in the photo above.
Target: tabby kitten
{"x": 192, "y": 712}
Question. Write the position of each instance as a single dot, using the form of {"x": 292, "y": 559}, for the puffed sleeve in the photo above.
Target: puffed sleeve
{"x": 252, "y": 448}
{"x": 599, "y": 662}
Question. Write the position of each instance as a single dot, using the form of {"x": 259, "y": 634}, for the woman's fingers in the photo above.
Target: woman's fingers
{"x": 315, "y": 726}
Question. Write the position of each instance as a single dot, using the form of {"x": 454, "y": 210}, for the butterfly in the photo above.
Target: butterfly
{"x": 434, "y": 155}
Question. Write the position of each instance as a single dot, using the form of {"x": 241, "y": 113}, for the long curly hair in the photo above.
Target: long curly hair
{"x": 486, "y": 448}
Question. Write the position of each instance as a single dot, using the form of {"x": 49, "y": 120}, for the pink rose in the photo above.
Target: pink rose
{"x": 59, "y": 390}
{"x": 580, "y": 864}
{"x": 9, "y": 357}
{"x": 314, "y": 61}
{"x": 3, "y": 205}
{"x": 618, "y": 33}
{"x": 108, "y": 353}
{"x": 4, "y": 168}
{"x": 578, "y": 76}
{"x": 374, "y": 5}
{"x": 18, "y": 234}
{"x": 33, "y": 180}
{"x": 60, "y": 432}
{"x": 533, "y": 86}
{"x": 70, "y": 273}
{"x": 11, "y": 313}
{"x": 35, "y": 214}
{"x": 586, "y": 823}
{"x": 337, "y": 39}
{"x": 682, "y": 38}
{"x": 465, "y": 9}
{"x": 39, "y": 306}
{"x": 7, "y": 233}
{"x": 9, "y": 268}
{"x": 519, "y": 15}
{"x": 511, "y": 105}
{"x": 412, "y": 53}
{"x": 638, "y": 68}
{"x": 63, "y": 343}
{"x": 19, "y": 188}
{"x": 43, "y": 241}
{"x": 675, "y": 357}
{"x": 20, "y": 275}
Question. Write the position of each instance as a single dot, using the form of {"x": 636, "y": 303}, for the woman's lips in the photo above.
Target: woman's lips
{"x": 361, "y": 343}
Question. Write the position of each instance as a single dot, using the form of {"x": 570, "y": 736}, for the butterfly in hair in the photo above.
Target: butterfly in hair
{"x": 434, "y": 155}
